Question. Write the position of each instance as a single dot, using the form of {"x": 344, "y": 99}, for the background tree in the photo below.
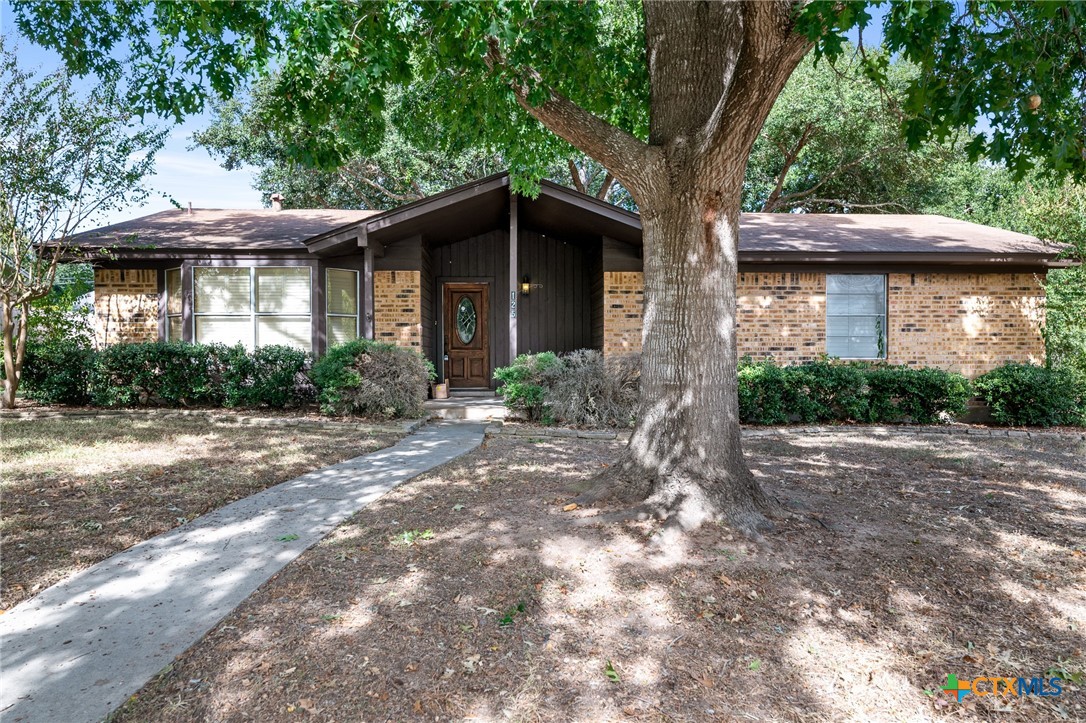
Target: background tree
{"x": 833, "y": 144}
{"x": 65, "y": 159}
{"x": 245, "y": 132}
{"x": 669, "y": 97}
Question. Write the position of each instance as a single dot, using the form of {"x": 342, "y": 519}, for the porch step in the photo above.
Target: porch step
{"x": 471, "y": 394}
{"x": 473, "y": 408}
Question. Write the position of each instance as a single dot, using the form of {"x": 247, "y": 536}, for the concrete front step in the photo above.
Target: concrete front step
{"x": 475, "y": 409}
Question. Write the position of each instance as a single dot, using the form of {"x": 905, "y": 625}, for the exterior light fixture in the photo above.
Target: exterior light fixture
{"x": 525, "y": 286}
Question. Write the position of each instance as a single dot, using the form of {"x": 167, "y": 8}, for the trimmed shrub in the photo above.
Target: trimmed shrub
{"x": 57, "y": 372}
{"x": 1029, "y": 395}
{"x": 171, "y": 374}
{"x": 523, "y": 384}
{"x": 372, "y": 379}
{"x": 585, "y": 389}
{"x": 273, "y": 376}
{"x": 765, "y": 393}
{"x": 826, "y": 391}
{"x": 921, "y": 396}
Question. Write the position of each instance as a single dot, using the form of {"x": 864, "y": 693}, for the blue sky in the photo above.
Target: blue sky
{"x": 187, "y": 176}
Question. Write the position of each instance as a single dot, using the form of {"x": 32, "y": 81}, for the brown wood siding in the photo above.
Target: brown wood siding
{"x": 480, "y": 258}
{"x": 429, "y": 318}
{"x": 620, "y": 256}
{"x": 558, "y": 316}
{"x": 595, "y": 295}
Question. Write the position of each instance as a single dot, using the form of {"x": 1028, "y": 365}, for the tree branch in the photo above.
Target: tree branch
{"x": 575, "y": 176}
{"x": 628, "y": 158}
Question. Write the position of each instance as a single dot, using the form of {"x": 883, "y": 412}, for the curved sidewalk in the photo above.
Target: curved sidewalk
{"x": 80, "y": 648}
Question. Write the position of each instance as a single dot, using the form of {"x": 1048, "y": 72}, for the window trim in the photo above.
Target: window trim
{"x": 328, "y": 314}
{"x": 180, "y": 315}
{"x": 885, "y": 315}
{"x": 253, "y": 314}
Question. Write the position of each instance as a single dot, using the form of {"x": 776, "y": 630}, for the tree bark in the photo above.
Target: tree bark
{"x": 685, "y": 456}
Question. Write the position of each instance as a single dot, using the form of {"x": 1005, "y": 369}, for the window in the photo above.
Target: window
{"x": 856, "y": 316}
{"x": 342, "y": 306}
{"x": 254, "y": 306}
{"x": 173, "y": 305}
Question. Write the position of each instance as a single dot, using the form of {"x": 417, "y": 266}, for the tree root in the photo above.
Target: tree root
{"x": 682, "y": 503}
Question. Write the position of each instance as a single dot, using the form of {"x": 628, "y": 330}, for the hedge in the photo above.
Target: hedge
{"x": 1035, "y": 396}
{"x": 575, "y": 388}
{"x": 167, "y": 374}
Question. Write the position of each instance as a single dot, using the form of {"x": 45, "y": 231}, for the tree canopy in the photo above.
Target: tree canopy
{"x": 1016, "y": 68}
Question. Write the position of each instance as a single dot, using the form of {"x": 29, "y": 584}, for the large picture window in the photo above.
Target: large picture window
{"x": 856, "y": 316}
{"x": 253, "y": 306}
{"x": 174, "y": 323}
{"x": 342, "y": 306}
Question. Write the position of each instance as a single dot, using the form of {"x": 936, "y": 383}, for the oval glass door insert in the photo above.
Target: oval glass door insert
{"x": 466, "y": 320}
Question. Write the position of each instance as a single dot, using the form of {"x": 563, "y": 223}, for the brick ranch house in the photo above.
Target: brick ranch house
{"x": 476, "y": 275}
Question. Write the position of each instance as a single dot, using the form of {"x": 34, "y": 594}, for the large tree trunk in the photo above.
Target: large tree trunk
{"x": 715, "y": 70}
{"x": 685, "y": 456}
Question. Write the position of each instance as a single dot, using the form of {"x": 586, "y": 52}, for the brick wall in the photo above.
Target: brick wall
{"x": 781, "y": 315}
{"x": 397, "y": 308}
{"x": 969, "y": 323}
{"x": 623, "y": 305}
{"x": 125, "y": 305}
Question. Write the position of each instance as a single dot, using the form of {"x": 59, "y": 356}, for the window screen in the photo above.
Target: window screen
{"x": 342, "y": 306}
{"x": 856, "y": 316}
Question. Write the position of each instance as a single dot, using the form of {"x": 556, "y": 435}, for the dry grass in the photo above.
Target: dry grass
{"x": 905, "y": 560}
{"x": 76, "y": 491}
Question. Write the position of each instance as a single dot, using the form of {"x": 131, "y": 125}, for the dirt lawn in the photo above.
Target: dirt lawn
{"x": 472, "y": 594}
{"x": 76, "y": 491}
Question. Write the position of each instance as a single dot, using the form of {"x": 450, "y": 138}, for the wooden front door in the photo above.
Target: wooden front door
{"x": 467, "y": 335}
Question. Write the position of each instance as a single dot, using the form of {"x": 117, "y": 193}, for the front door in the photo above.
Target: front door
{"x": 467, "y": 337}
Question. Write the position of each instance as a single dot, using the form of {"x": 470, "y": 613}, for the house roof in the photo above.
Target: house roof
{"x": 878, "y": 233}
{"x": 479, "y": 206}
{"x": 224, "y": 230}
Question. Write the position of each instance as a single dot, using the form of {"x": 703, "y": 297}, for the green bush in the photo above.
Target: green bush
{"x": 1029, "y": 395}
{"x": 765, "y": 393}
{"x": 273, "y": 376}
{"x": 372, "y": 379}
{"x": 830, "y": 391}
{"x": 57, "y": 372}
{"x": 169, "y": 374}
{"x": 921, "y": 396}
{"x": 826, "y": 391}
{"x": 523, "y": 384}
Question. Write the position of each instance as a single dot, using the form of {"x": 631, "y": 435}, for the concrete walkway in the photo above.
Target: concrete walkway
{"x": 82, "y": 647}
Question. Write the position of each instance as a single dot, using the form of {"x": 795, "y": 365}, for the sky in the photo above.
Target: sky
{"x": 183, "y": 174}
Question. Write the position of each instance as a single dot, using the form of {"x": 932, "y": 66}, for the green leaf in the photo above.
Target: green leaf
{"x": 611, "y": 673}
{"x": 287, "y": 538}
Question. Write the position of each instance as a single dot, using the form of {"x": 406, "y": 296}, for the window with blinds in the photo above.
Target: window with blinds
{"x": 342, "y": 296}
{"x": 856, "y": 316}
{"x": 253, "y": 306}
{"x": 174, "y": 328}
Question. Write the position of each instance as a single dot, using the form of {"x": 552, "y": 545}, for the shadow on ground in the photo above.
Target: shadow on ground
{"x": 471, "y": 593}
{"x": 79, "y": 490}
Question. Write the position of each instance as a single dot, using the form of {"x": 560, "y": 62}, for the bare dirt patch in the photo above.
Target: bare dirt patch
{"x": 76, "y": 491}
{"x": 473, "y": 593}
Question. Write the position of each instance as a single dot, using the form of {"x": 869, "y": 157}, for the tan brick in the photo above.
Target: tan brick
{"x": 397, "y": 307}
{"x": 969, "y": 323}
{"x": 623, "y": 307}
{"x": 125, "y": 306}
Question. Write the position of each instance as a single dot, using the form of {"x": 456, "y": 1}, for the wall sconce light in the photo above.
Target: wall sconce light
{"x": 526, "y": 286}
